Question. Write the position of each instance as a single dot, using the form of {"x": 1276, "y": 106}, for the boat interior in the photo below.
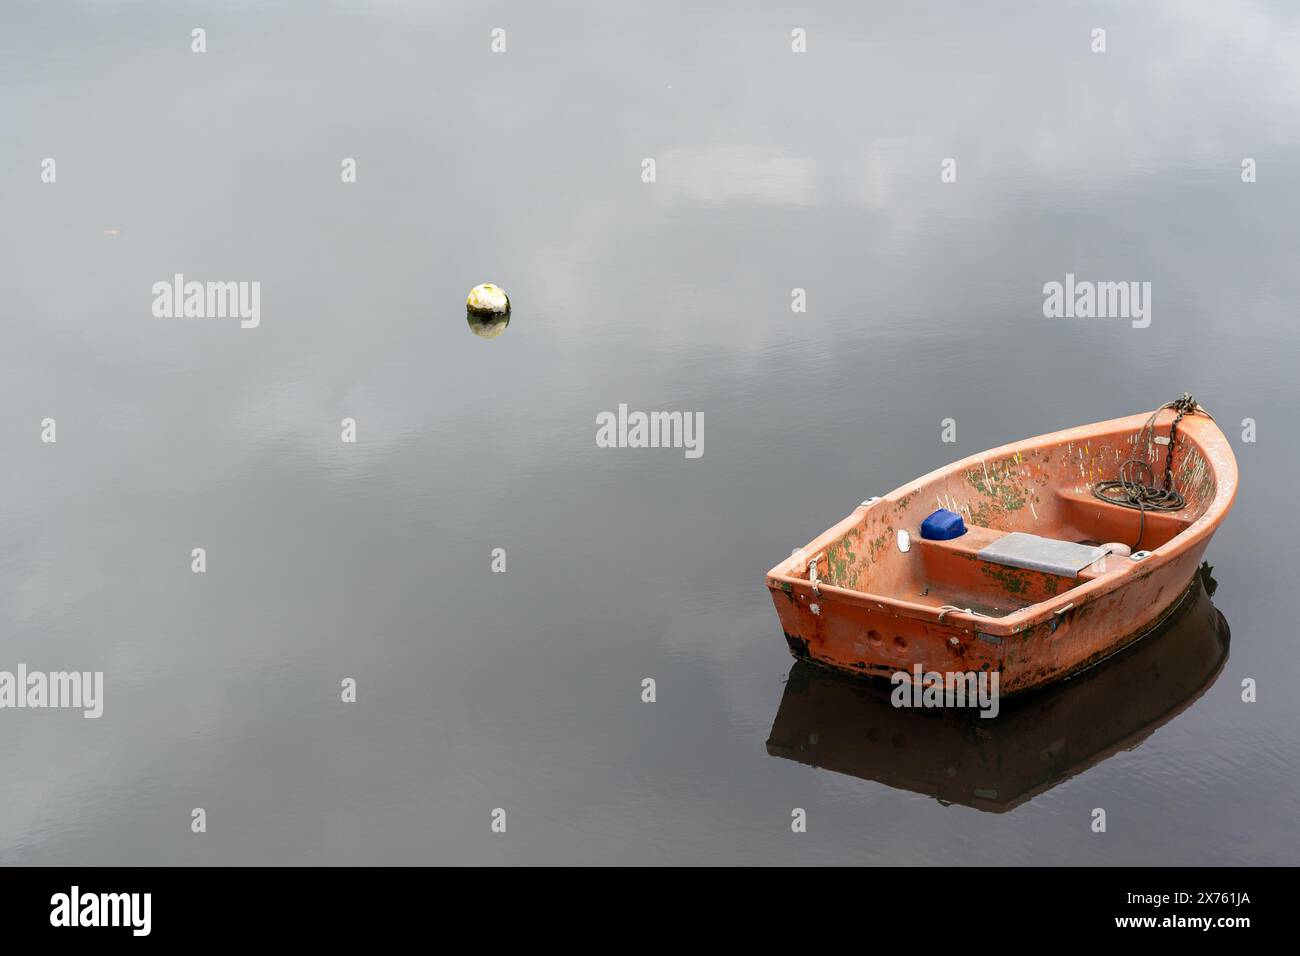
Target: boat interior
{"x": 1034, "y": 528}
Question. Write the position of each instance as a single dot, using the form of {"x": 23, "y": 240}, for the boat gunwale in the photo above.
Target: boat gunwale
{"x": 1213, "y": 444}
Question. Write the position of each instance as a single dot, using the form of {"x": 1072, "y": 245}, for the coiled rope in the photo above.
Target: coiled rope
{"x": 1135, "y": 487}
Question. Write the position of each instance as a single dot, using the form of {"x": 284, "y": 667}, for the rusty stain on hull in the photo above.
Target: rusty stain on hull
{"x": 881, "y": 610}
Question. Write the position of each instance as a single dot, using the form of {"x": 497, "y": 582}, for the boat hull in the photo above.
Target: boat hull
{"x": 860, "y": 599}
{"x": 839, "y": 638}
{"x": 1037, "y": 741}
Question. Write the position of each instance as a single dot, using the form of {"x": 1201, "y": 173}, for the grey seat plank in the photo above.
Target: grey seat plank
{"x": 1021, "y": 550}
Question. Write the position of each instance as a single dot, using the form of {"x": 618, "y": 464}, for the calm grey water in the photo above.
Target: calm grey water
{"x": 371, "y": 560}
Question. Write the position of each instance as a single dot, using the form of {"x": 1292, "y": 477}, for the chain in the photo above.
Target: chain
{"x": 1182, "y": 406}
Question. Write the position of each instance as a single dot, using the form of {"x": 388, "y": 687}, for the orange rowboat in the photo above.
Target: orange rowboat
{"x": 1048, "y": 578}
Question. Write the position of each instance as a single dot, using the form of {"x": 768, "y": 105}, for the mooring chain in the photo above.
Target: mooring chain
{"x": 1182, "y": 406}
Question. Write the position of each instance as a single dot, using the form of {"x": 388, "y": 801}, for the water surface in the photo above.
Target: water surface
{"x": 775, "y": 171}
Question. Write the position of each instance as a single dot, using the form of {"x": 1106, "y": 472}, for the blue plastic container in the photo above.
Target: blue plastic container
{"x": 942, "y": 526}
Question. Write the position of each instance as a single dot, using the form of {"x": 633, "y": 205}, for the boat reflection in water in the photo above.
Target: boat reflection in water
{"x": 1037, "y": 740}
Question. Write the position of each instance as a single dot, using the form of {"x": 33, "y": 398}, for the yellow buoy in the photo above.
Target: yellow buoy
{"x": 488, "y": 299}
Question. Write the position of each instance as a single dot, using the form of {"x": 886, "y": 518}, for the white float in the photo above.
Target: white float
{"x": 488, "y": 299}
